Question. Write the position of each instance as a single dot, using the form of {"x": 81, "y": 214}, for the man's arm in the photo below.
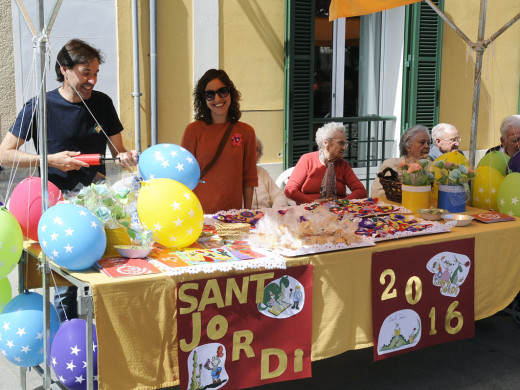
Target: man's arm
{"x": 11, "y": 156}
{"x": 126, "y": 158}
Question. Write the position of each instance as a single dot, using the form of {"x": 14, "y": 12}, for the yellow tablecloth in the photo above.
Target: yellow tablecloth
{"x": 136, "y": 317}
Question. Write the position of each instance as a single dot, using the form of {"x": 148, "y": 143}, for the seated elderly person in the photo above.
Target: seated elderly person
{"x": 509, "y": 136}
{"x": 414, "y": 146}
{"x": 445, "y": 139}
{"x": 267, "y": 194}
{"x": 324, "y": 174}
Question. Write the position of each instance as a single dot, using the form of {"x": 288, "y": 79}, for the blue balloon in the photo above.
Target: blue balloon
{"x": 72, "y": 236}
{"x": 69, "y": 354}
{"x": 21, "y": 329}
{"x": 169, "y": 161}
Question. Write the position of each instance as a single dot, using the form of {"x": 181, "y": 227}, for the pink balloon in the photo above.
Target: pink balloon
{"x": 26, "y": 204}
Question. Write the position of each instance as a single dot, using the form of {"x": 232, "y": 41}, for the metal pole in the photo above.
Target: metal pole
{"x": 136, "y": 94}
{"x": 153, "y": 72}
{"x": 476, "y": 83}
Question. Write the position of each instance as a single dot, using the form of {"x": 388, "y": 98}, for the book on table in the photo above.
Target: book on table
{"x": 492, "y": 216}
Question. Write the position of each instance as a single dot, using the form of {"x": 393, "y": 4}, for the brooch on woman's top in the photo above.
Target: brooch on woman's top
{"x": 237, "y": 139}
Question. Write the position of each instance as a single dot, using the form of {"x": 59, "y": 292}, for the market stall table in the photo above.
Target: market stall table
{"x": 136, "y": 316}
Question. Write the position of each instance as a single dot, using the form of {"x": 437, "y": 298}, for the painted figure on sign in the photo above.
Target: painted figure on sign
{"x": 297, "y": 297}
{"x": 214, "y": 368}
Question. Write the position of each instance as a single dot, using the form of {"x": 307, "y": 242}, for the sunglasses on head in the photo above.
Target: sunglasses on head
{"x": 222, "y": 92}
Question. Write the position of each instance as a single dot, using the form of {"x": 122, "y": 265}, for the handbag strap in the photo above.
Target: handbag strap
{"x": 219, "y": 150}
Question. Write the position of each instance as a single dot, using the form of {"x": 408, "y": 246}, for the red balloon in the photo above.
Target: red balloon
{"x": 26, "y": 204}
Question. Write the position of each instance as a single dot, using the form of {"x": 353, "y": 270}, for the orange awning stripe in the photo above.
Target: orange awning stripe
{"x": 348, "y": 8}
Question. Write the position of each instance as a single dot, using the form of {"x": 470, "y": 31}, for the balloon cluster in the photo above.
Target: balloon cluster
{"x": 166, "y": 203}
{"x": 494, "y": 187}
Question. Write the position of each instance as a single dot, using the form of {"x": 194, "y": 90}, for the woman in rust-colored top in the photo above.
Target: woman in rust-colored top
{"x": 230, "y": 180}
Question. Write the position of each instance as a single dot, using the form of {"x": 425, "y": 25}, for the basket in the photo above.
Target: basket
{"x": 232, "y": 231}
{"x": 391, "y": 184}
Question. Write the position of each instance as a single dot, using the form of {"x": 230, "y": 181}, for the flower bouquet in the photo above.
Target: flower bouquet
{"x": 416, "y": 174}
{"x": 453, "y": 181}
{"x": 416, "y": 179}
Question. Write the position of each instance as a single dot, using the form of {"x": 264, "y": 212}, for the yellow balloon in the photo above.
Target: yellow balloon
{"x": 171, "y": 211}
{"x": 485, "y": 188}
{"x": 454, "y": 157}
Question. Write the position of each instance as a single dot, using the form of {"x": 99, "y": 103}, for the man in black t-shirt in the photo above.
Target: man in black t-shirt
{"x": 79, "y": 121}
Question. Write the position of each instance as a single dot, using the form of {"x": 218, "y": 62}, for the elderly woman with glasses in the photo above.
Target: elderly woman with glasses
{"x": 324, "y": 174}
{"x": 445, "y": 139}
{"x": 414, "y": 146}
{"x": 223, "y": 146}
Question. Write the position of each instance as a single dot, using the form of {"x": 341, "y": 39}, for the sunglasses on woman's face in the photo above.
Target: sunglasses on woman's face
{"x": 222, "y": 92}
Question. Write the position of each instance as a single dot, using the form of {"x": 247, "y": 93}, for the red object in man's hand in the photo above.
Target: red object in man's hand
{"x": 94, "y": 159}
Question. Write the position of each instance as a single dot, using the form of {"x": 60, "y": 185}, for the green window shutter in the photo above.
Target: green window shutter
{"x": 422, "y": 65}
{"x": 298, "y": 72}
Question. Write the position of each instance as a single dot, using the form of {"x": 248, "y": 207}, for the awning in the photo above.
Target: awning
{"x": 348, "y": 8}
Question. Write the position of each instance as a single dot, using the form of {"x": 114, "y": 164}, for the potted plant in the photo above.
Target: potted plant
{"x": 416, "y": 188}
{"x": 453, "y": 182}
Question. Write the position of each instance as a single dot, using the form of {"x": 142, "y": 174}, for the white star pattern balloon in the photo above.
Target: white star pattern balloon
{"x": 171, "y": 210}
{"x": 169, "y": 161}
{"x": 508, "y": 198}
{"x": 69, "y": 354}
{"x": 21, "y": 329}
{"x": 72, "y": 236}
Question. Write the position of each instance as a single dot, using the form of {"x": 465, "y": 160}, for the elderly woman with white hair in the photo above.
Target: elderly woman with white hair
{"x": 509, "y": 136}
{"x": 267, "y": 194}
{"x": 413, "y": 146}
{"x": 324, "y": 174}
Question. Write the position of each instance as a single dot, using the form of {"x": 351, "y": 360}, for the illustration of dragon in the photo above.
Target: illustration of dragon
{"x": 274, "y": 292}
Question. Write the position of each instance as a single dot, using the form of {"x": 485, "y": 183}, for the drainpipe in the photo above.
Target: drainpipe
{"x": 153, "y": 72}
{"x": 136, "y": 94}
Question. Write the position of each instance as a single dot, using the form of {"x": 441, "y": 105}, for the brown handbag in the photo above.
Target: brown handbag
{"x": 219, "y": 150}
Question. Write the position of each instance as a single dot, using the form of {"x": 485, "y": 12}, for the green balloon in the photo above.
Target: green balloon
{"x": 5, "y": 293}
{"x": 11, "y": 242}
{"x": 508, "y": 196}
{"x": 496, "y": 160}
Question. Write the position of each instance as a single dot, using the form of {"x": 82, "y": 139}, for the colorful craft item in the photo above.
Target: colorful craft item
{"x": 245, "y": 216}
{"x": 389, "y": 225}
{"x": 361, "y": 208}
{"x": 169, "y": 161}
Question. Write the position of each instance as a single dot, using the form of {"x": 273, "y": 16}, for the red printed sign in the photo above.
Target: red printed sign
{"x": 246, "y": 330}
{"x": 422, "y": 296}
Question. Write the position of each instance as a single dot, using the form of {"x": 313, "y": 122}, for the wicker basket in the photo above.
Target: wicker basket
{"x": 391, "y": 184}
{"x": 232, "y": 231}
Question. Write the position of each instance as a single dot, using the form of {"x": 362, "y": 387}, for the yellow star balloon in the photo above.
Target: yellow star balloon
{"x": 485, "y": 188}
{"x": 171, "y": 211}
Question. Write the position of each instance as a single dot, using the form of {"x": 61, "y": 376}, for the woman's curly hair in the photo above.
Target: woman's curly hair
{"x": 202, "y": 111}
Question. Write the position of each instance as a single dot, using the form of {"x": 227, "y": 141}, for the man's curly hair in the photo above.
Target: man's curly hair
{"x": 202, "y": 111}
